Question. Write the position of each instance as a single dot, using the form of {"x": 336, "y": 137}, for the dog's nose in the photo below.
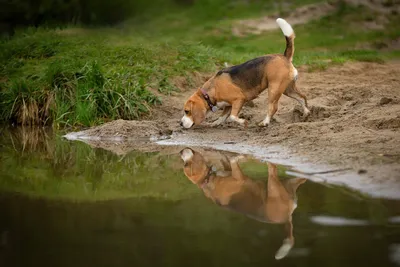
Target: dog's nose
{"x": 181, "y": 123}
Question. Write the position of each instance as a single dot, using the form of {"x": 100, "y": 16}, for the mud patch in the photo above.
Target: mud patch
{"x": 120, "y": 130}
{"x": 383, "y": 123}
{"x": 316, "y": 113}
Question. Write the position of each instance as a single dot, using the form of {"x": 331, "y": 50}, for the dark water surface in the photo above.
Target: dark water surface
{"x": 67, "y": 204}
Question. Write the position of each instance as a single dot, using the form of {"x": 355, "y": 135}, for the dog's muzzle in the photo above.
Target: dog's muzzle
{"x": 186, "y": 122}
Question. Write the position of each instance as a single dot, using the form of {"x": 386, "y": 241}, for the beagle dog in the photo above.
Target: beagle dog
{"x": 232, "y": 87}
{"x": 271, "y": 202}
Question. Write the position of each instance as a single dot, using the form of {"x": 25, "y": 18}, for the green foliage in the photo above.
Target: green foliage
{"x": 40, "y": 45}
{"x": 362, "y": 55}
{"x": 23, "y": 102}
{"x": 26, "y": 45}
{"x": 36, "y": 12}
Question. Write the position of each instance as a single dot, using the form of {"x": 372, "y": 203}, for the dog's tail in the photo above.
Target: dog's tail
{"x": 289, "y": 35}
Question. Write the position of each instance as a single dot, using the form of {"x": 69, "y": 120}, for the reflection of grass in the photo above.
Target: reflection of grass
{"x": 52, "y": 167}
{"x": 39, "y": 164}
{"x": 77, "y": 76}
{"x": 259, "y": 170}
{"x": 35, "y": 163}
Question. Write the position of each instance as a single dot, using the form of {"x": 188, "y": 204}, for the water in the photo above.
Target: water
{"x": 66, "y": 204}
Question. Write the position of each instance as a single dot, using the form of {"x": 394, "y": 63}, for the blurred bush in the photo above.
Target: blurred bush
{"x": 21, "y": 13}
{"x": 17, "y": 13}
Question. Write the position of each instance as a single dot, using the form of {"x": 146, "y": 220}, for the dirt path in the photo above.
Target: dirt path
{"x": 355, "y": 122}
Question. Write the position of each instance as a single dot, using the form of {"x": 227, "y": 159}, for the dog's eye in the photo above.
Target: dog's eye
{"x": 186, "y": 112}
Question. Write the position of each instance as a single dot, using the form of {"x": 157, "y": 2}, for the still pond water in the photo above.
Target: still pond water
{"x": 65, "y": 203}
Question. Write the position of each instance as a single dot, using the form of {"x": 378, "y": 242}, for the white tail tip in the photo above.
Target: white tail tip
{"x": 285, "y": 27}
{"x": 284, "y": 250}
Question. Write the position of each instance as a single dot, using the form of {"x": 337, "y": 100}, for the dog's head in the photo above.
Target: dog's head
{"x": 195, "y": 167}
{"x": 195, "y": 111}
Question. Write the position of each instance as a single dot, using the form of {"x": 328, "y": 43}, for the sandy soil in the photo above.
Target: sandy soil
{"x": 355, "y": 122}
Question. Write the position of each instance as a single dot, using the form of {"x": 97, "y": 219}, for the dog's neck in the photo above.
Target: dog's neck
{"x": 204, "y": 94}
{"x": 207, "y": 177}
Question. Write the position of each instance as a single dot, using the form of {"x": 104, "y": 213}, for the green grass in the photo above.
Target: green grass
{"x": 89, "y": 79}
{"x": 77, "y": 76}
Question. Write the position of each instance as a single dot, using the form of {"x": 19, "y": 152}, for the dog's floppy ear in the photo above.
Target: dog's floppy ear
{"x": 198, "y": 113}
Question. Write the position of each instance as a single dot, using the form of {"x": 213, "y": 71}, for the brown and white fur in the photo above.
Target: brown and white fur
{"x": 271, "y": 202}
{"x": 232, "y": 87}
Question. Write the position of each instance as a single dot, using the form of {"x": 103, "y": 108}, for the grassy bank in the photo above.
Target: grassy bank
{"x": 82, "y": 76}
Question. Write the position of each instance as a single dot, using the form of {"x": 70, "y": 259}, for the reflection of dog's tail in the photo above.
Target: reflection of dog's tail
{"x": 284, "y": 250}
{"x": 289, "y": 35}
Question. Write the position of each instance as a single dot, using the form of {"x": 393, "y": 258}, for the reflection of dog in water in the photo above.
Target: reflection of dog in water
{"x": 271, "y": 202}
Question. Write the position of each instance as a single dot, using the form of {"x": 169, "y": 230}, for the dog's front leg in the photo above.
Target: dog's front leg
{"x": 236, "y": 171}
{"x": 236, "y": 107}
{"x": 223, "y": 117}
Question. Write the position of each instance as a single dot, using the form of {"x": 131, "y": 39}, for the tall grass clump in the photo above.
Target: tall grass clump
{"x": 86, "y": 96}
{"x": 72, "y": 93}
{"x": 24, "y": 102}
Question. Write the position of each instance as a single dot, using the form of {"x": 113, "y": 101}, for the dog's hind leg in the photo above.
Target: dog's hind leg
{"x": 274, "y": 93}
{"x": 293, "y": 92}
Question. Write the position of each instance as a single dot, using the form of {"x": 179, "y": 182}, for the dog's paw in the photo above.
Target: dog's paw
{"x": 241, "y": 121}
{"x": 233, "y": 118}
{"x": 208, "y": 124}
{"x": 306, "y": 113}
{"x": 305, "y": 116}
{"x": 263, "y": 124}
{"x": 216, "y": 123}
